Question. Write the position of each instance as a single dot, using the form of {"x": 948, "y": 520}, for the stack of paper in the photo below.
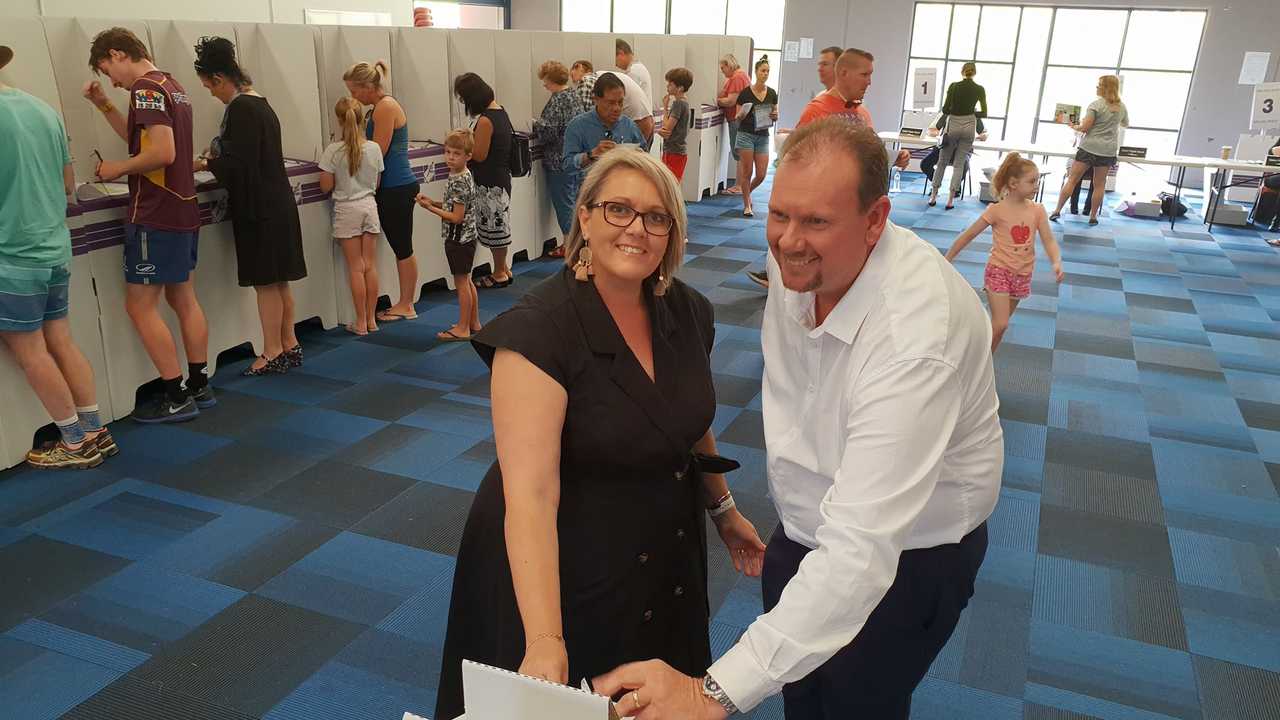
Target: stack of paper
{"x": 494, "y": 694}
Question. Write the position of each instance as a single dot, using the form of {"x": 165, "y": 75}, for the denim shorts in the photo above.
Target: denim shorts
{"x": 757, "y": 144}
{"x": 30, "y": 297}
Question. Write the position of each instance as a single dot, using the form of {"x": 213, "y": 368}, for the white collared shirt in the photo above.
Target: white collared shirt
{"x": 882, "y": 435}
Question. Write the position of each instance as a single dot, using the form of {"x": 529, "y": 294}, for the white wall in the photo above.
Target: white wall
{"x": 281, "y": 11}
{"x": 535, "y": 14}
{"x": 1217, "y": 109}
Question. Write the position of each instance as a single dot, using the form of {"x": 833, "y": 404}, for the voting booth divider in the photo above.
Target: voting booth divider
{"x": 299, "y": 69}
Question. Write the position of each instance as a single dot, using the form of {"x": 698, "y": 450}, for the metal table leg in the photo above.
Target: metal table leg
{"x": 1177, "y": 194}
{"x": 1215, "y": 201}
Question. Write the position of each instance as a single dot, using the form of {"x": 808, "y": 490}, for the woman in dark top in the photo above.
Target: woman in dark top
{"x": 752, "y": 141}
{"x": 397, "y": 193}
{"x": 247, "y": 159}
{"x": 1271, "y": 184}
{"x": 585, "y": 547}
{"x": 490, "y": 166}
{"x": 961, "y": 110}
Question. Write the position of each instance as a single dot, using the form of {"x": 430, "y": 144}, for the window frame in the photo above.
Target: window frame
{"x": 1119, "y": 68}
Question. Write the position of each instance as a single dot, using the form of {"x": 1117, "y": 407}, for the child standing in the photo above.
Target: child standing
{"x": 1014, "y": 222}
{"x": 351, "y": 169}
{"x": 675, "y": 121}
{"x": 458, "y": 227}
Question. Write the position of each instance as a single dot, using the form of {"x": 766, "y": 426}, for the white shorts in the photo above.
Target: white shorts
{"x": 353, "y": 218}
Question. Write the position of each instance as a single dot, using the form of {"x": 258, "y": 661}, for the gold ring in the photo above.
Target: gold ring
{"x": 635, "y": 697}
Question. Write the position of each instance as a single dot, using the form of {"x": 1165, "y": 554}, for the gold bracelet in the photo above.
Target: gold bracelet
{"x": 104, "y": 109}
{"x": 543, "y": 636}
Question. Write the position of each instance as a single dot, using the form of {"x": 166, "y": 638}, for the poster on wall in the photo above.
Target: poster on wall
{"x": 791, "y": 51}
{"x": 924, "y": 90}
{"x": 1266, "y": 107}
{"x": 806, "y": 48}
{"x": 1254, "y": 68}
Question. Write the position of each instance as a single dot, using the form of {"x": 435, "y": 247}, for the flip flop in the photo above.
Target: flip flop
{"x": 1274, "y": 242}
{"x": 748, "y": 213}
{"x": 448, "y": 336}
{"x": 487, "y": 282}
{"x": 386, "y": 316}
{"x": 351, "y": 329}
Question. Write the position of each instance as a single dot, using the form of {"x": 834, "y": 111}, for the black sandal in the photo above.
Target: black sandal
{"x": 277, "y": 365}
{"x": 294, "y": 356}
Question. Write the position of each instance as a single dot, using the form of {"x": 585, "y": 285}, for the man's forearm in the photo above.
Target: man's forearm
{"x": 146, "y": 161}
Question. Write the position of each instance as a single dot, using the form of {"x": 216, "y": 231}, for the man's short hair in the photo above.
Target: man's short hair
{"x": 833, "y": 50}
{"x": 623, "y": 47}
{"x": 850, "y": 57}
{"x": 116, "y": 38}
{"x": 607, "y": 82}
{"x": 682, "y": 78}
{"x": 830, "y": 135}
{"x": 584, "y": 65}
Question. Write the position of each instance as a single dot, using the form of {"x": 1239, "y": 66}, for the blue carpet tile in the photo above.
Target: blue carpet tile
{"x": 289, "y": 554}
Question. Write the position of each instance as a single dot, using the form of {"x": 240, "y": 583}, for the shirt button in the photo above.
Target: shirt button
{"x": 680, "y": 534}
{"x": 642, "y": 558}
{"x": 679, "y": 591}
{"x": 648, "y": 615}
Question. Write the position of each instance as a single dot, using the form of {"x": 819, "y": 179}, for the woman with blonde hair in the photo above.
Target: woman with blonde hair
{"x": 963, "y": 114}
{"x": 561, "y": 108}
{"x": 388, "y": 126}
{"x": 1098, "y": 150}
{"x": 602, "y": 410}
{"x": 736, "y": 80}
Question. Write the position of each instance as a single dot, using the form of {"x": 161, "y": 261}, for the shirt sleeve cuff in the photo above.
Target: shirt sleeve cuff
{"x": 742, "y": 678}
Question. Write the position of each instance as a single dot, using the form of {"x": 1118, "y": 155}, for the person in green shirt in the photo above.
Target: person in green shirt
{"x": 36, "y": 183}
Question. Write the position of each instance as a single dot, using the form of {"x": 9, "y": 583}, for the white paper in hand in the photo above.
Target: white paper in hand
{"x": 490, "y": 692}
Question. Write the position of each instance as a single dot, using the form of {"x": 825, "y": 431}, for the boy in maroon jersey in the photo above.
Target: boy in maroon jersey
{"x": 163, "y": 217}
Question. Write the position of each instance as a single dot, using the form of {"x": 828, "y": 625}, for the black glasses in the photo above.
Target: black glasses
{"x": 621, "y": 215}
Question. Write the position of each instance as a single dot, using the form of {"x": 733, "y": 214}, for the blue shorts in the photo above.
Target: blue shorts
{"x": 30, "y": 297}
{"x": 158, "y": 257}
{"x": 757, "y": 144}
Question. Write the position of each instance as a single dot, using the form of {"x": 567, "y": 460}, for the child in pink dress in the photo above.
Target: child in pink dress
{"x": 1014, "y": 222}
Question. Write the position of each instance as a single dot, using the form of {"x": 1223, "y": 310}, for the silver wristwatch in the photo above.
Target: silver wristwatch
{"x": 712, "y": 689}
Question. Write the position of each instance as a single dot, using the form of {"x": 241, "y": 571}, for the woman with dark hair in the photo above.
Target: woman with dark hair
{"x": 753, "y": 132}
{"x": 247, "y": 159}
{"x": 397, "y": 195}
{"x": 491, "y": 169}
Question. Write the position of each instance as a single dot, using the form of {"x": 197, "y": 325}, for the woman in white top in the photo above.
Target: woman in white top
{"x": 350, "y": 169}
{"x": 1101, "y": 144}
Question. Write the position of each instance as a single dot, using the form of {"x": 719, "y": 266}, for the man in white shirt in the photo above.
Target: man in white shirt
{"x": 884, "y": 454}
{"x": 625, "y": 57}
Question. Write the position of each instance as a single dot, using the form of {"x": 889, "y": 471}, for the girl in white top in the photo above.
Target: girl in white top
{"x": 351, "y": 169}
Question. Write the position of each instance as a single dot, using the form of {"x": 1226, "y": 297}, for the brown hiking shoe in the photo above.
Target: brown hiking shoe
{"x": 104, "y": 442}
{"x": 58, "y": 455}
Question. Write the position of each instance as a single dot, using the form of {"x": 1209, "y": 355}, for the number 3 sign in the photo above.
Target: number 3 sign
{"x": 1266, "y": 106}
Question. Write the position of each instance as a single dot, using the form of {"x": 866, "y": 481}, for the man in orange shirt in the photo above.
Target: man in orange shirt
{"x": 853, "y": 77}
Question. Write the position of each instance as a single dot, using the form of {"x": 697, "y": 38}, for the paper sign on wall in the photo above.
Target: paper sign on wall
{"x": 1254, "y": 68}
{"x": 924, "y": 91}
{"x": 806, "y": 48}
{"x": 790, "y": 51}
{"x": 1266, "y": 106}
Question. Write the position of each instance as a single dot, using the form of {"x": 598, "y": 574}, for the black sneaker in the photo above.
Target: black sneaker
{"x": 204, "y": 397}
{"x": 163, "y": 410}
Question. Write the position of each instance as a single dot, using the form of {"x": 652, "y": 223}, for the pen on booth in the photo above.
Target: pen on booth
{"x": 101, "y": 183}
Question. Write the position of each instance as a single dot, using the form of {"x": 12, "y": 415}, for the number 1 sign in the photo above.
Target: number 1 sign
{"x": 1266, "y": 107}
{"x": 925, "y": 90}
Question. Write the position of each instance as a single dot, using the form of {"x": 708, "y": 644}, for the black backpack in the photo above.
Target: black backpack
{"x": 521, "y": 159}
{"x": 1166, "y": 205}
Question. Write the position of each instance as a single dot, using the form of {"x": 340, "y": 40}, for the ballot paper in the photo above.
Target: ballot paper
{"x": 763, "y": 116}
{"x": 94, "y": 190}
{"x": 490, "y": 692}
{"x": 204, "y": 177}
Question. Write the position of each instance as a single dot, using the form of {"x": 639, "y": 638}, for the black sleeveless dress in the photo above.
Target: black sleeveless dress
{"x": 633, "y": 562}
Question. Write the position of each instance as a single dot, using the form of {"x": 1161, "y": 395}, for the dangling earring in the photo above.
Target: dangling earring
{"x": 582, "y": 269}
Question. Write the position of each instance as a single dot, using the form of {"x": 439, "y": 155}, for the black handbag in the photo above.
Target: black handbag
{"x": 521, "y": 160}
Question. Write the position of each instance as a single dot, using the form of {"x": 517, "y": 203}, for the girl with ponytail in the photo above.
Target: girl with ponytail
{"x": 350, "y": 170}
{"x": 1014, "y": 222}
